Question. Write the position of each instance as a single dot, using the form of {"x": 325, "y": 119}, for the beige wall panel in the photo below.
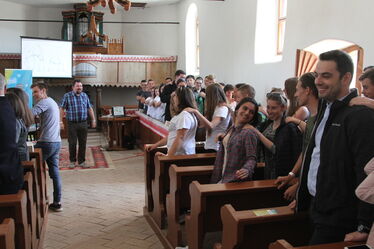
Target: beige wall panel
{"x": 131, "y": 72}
{"x": 158, "y": 71}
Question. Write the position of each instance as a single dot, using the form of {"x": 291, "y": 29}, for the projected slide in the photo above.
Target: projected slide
{"x": 47, "y": 58}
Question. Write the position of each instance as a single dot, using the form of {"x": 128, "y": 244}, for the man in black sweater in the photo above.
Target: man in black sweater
{"x": 168, "y": 90}
{"x": 342, "y": 143}
{"x": 11, "y": 171}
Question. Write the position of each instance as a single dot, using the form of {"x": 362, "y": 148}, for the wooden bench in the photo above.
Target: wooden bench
{"x": 179, "y": 197}
{"x": 207, "y": 200}
{"x": 15, "y": 206}
{"x": 149, "y": 169}
{"x": 41, "y": 174}
{"x": 161, "y": 182}
{"x": 256, "y": 229}
{"x": 282, "y": 244}
{"x": 31, "y": 208}
{"x": 31, "y": 166}
{"x": 7, "y": 231}
{"x": 149, "y": 173}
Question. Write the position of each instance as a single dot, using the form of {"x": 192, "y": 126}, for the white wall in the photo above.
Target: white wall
{"x": 141, "y": 39}
{"x": 227, "y": 32}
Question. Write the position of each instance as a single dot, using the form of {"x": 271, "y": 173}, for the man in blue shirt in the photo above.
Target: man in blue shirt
{"x": 77, "y": 106}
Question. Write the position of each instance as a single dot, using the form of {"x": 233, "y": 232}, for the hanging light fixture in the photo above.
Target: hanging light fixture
{"x": 126, "y": 4}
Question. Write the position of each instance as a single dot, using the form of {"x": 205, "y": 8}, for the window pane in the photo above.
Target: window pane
{"x": 281, "y": 31}
{"x": 282, "y": 8}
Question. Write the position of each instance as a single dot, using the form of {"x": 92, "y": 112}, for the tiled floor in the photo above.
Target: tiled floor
{"x": 102, "y": 208}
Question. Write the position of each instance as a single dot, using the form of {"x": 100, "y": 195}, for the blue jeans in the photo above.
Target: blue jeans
{"x": 51, "y": 153}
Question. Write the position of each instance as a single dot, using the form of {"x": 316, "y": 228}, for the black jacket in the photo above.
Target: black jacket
{"x": 11, "y": 171}
{"x": 347, "y": 145}
{"x": 288, "y": 142}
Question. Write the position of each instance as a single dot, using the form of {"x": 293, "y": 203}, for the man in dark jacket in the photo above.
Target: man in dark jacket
{"x": 168, "y": 90}
{"x": 11, "y": 171}
{"x": 342, "y": 143}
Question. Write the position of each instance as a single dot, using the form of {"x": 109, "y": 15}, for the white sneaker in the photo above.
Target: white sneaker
{"x": 72, "y": 165}
{"x": 83, "y": 165}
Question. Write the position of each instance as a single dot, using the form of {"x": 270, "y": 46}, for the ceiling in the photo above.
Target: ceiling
{"x": 69, "y": 3}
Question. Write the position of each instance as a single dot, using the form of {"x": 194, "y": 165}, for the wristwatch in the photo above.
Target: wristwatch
{"x": 363, "y": 229}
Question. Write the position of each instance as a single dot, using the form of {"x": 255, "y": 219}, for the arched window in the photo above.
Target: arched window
{"x": 192, "y": 41}
{"x": 307, "y": 58}
{"x": 270, "y": 30}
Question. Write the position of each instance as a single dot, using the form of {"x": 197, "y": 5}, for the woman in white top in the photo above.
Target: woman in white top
{"x": 156, "y": 108}
{"x": 217, "y": 115}
{"x": 182, "y": 128}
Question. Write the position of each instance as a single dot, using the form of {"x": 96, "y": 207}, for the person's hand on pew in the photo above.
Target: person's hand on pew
{"x": 242, "y": 173}
{"x": 292, "y": 205}
{"x": 158, "y": 153}
{"x": 356, "y": 237}
{"x": 290, "y": 193}
{"x": 283, "y": 181}
{"x": 148, "y": 148}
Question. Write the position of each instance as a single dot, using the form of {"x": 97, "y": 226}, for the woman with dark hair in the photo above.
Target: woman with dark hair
{"x": 217, "y": 116}
{"x": 294, "y": 108}
{"x": 28, "y": 118}
{"x": 282, "y": 141}
{"x": 21, "y": 110}
{"x": 236, "y": 157}
{"x": 182, "y": 127}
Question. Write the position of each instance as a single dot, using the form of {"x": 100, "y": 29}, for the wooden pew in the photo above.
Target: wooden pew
{"x": 7, "y": 231}
{"x": 41, "y": 173}
{"x": 252, "y": 229}
{"x": 31, "y": 166}
{"x": 179, "y": 197}
{"x": 31, "y": 208}
{"x": 15, "y": 206}
{"x": 161, "y": 182}
{"x": 282, "y": 244}
{"x": 149, "y": 169}
{"x": 207, "y": 199}
{"x": 149, "y": 174}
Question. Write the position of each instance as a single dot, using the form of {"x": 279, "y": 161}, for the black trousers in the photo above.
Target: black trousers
{"x": 77, "y": 131}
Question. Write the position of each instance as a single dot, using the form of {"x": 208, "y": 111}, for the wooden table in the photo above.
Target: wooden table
{"x": 114, "y": 131}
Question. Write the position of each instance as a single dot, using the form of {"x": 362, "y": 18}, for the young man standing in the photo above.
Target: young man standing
{"x": 49, "y": 141}
{"x": 342, "y": 143}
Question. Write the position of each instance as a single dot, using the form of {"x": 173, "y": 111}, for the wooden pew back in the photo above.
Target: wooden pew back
{"x": 15, "y": 206}
{"x": 149, "y": 174}
{"x": 282, "y": 244}
{"x": 179, "y": 197}
{"x": 256, "y": 229}
{"x": 41, "y": 174}
{"x": 161, "y": 182}
{"x": 31, "y": 166}
{"x": 7, "y": 232}
{"x": 31, "y": 208}
{"x": 149, "y": 169}
{"x": 206, "y": 201}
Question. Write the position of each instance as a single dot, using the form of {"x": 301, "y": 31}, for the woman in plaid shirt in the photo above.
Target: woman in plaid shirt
{"x": 236, "y": 158}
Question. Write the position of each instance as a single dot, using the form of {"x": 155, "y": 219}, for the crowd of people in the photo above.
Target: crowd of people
{"x": 316, "y": 137}
{"x": 16, "y": 117}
